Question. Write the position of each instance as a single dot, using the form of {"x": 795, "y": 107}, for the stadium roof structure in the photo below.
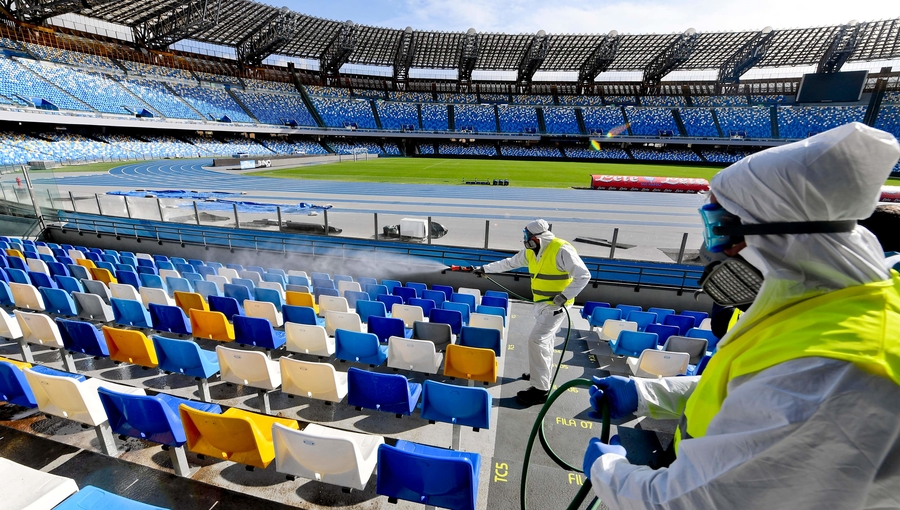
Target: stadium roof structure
{"x": 257, "y": 30}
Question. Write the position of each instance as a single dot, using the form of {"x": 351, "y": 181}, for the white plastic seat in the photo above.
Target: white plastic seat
{"x": 488, "y": 321}
{"x": 295, "y": 272}
{"x": 9, "y": 326}
{"x": 706, "y": 324}
{"x": 320, "y": 381}
{"x": 654, "y": 363}
{"x": 408, "y": 313}
{"x": 264, "y": 310}
{"x": 248, "y": 368}
{"x": 344, "y": 286}
{"x": 166, "y": 273}
{"x": 332, "y": 456}
{"x": 341, "y": 320}
{"x": 612, "y": 327}
{"x": 272, "y": 285}
{"x": 228, "y": 273}
{"x": 124, "y": 291}
{"x": 143, "y": 256}
{"x": 38, "y": 266}
{"x": 76, "y": 254}
{"x": 39, "y": 329}
{"x": 253, "y": 276}
{"x": 334, "y": 303}
{"x": 308, "y": 339}
{"x": 473, "y": 292}
{"x": 154, "y": 295}
{"x": 415, "y": 355}
{"x": 29, "y": 489}
{"x": 44, "y": 250}
{"x": 26, "y": 296}
{"x": 92, "y": 307}
{"x": 220, "y": 281}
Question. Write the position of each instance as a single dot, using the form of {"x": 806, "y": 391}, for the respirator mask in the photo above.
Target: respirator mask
{"x": 732, "y": 281}
{"x": 531, "y": 241}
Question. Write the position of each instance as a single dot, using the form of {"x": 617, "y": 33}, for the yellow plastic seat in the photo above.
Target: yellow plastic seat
{"x": 236, "y": 435}
{"x": 470, "y": 363}
{"x": 130, "y": 346}
{"x": 20, "y": 364}
{"x": 211, "y": 325}
{"x": 301, "y": 299}
{"x": 12, "y": 252}
{"x": 188, "y": 301}
{"x": 88, "y": 263}
{"x": 101, "y": 274}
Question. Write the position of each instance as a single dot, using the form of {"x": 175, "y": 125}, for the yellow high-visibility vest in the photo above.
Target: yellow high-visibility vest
{"x": 858, "y": 324}
{"x": 546, "y": 280}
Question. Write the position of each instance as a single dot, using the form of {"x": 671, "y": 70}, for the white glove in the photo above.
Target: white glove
{"x": 560, "y": 300}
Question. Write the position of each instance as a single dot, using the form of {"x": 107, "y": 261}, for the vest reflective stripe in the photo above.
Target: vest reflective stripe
{"x": 546, "y": 280}
{"x": 858, "y": 324}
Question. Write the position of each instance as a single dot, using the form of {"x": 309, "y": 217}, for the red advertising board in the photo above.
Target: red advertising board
{"x": 652, "y": 184}
{"x": 890, "y": 194}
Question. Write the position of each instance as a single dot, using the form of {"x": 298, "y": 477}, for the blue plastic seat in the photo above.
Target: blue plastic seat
{"x": 698, "y": 370}
{"x": 162, "y": 264}
{"x": 6, "y": 297}
{"x": 275, "y": 270}
{"x": 492, "y": 310}
{"x": 106, "y": 265}
{"x": 154, "y": 281}
{"x": 462, "y": 308}
{"x": 298, "y": 280}
{"x": 170, "y": 319}
{"x": 661, "y": 313}
{"x": 391, "y": 285}
{"x": 41, "y": 280}
{"x": 365, "y": 280}
{"x": 683, "y": 322}
{"x": 373, "y": 289}
{"x": 626, "y": 309}
{"x": 405, "y": 293}
{"x": 18, "y": 275}
{"x": 214, "y": 265}
{"x": 446, "y": 289}
{"x": 420, "y": 288}
{"x": 482, "y": 338}
{"x": 451, "y": 317}
{"x": 68, "y": 284}
{"x": 129, "y": 277}
{"x": 65, "y": 261}
{"x": 325, "y": 283}
{"x": 274, "y": 277}
{"x": 301, "y": 315}
{"x": 59, "y": 302}
{"x": 79, "y": 272}
{"x": 601, "y": 315}
{"x": 178, "y": 284}
{"x": 227, "y": 305}
{"x": 428, "y": 475}
{"x": 47, "y": 258}
{"x": 130, "y": 313}
{"x": 425, "y": 304}
{"x": 258, "y": 332}
{"x": 129, "y": 260}
{"x": 319, "y": 275}
{"x": 386, "y": 327}
{"x": 206, "y": 270}
{"x": 93, "y": 256}
{"x": 109, "y": 257}
{"x": 352, "y": 296}
{"x": 17, "y": 263}
{"x": 359, "y": 347}
{"x": 496, "y": 301}
{"x": 698, "y": 316}
{"x": 389, "y": 300}
{"x": 711, "y": 339}
{"x": 368, "y": 309}
{"x": 589, "y": 308}
{"x": 643, "y": 319}
{"x": 95, "y": 498}
{"x": 83, "y": 337}
{"x": 435, "y": 295}
{"x": 246, "y": 282}
{"x": 146, "y": 270}
{"x": 240, "y": 293}
{"x": 185, "y": 357}
{"x": 177, "y": 260}
{"x": 662, "y": 331}
{"x": 468, "y": 299}
{"x": 633, "y": 343}
{"x": 391, "y": 393}
{"x": 270, "y": 296}
{"x": 57, "y": 269}
{"x": 320, "y": 291}
{"x": 206, "y": 289}
{"x": 341, "y": 278}
{"x": 197, "y": 263}
{"x": 459, "y": 405}
{"x": 184, "y": 267}
{"x": 193, "y": 278}
{"x": 146, "y": 263}
{"x": 14, "y": 388}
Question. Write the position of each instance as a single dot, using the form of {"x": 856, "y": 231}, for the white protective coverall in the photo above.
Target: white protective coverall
{"x": 548, "y": 317}
{"x": 810, "y": 432}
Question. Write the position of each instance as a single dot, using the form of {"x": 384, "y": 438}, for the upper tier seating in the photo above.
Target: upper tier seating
{"x": 651, "y": 121}
{"x": 602, "y": 120}
{"x": 101, "y": 92}
{"x": 213, "y": 103}
{"x": 345, "y": 112}
{"x": 21, "y": 86}
{"x": 271, "y": 108}
{"x": 698, "y": 122}
{"x": 803, "y": 121}
{"x": 398, "y": 116}
{"x": 517, "y": 119}
{"x": 745, "y": 122}
{"x": 475, "y": 118}
{"x": 561, "y": 120}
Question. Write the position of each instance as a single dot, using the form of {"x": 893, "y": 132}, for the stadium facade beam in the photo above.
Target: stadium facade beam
{"x": 181, "y": 21}
{"x": 38, "y": 11}
{"x": 468, "y": 57}
{"x": 747, "y": 56}
{"x": 338, "y": 51}
{"x": 531, "y": 60}
{"x": 264, "y": 40}
{"x": 598, "y": 61}
{"x": 841, "y": 48}
{"x": 406, "y": 50}
{"x": 673, "y": 56}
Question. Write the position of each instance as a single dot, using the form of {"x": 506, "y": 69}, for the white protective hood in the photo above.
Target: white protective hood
{"x": 832, "y": 176}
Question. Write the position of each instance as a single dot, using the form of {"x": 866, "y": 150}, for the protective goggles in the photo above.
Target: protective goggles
{"x": 723, "y": 229}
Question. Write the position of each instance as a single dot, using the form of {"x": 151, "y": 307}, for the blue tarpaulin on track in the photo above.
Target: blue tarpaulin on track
{"x": 175, "y": 193}
{"x": 215, "y": 201}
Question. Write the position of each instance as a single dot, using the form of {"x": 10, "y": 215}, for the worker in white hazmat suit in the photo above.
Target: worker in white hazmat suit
{"x": 800, "y": 405}
{"x": 557, "y": 275}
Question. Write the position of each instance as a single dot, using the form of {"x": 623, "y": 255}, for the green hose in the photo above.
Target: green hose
{"x": 538, "y": 428}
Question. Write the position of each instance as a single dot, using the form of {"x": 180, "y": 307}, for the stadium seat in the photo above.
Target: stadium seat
{"x": 327, "y": 455}
{"x": 68, "y": 284}
{"x": 103, "y": 275}
{"x": 83, "y": 337}
{"x": 178, "y": 285}
{"x": 661, "y": 313}
{"x": 654, "y": 363}
{"x": 353, "y": 296}
{"x": 407, "y": 313}
{"x": 459, "y": 405}
{"x": 632, "y": 342}
{"x": 463, "y": 308}
{"x": 470, "y": 363}
{"x": 236, "y": 435}
{"x": 187, "y": 358}
{"x": 386, "y": 327}
{"x": 14, "y": 387}
{"x": 41, "y": 280}
{"x": 226, "y": 305}
{"x": 696, "y": 348}
{"x": 128, "y": 312}
{"x": 425, "y": 304}
{"x": 359, "y": 347}
{"x": 662, "y": 331}
{"x": 451, "y": 317}
{"x": 124, "y": 291}
{"x": 428, "y": 475}
{"x": 344, "y": 286}
{"x": 301, "y": 315}
{"x": 154, "y": 295}
{"x": 26, "y": 296}
{"x": 248, "y": 368}
{"x": 367, "y": 309}
{"x": 270, "y": 296}
{"x": 170, "y": 319}
{"x": 643, "y": 319}
{"x": 389, "y": 300}
{"x": 341, "y": 320}
{"x": 373, "y": 289}
{"x": 698, "y": 316}
{"x": 39, "y": 329}
{"x": 683, "y": 322}
{"x": 59, "y": 302}
{"x": 488, "y": 320}
{"x": 264, "y": 310}
{"x": 206, "y": 289}
{"x": 95, "y": 498}
{"x": 308, "y": 339}
{"x": 706, "y": 334}
{"x": 626, "y": 309}
{"x": 482, "y": 338}
{"x": 390, "y": 393}
{"x": 435, "y": 332}
{"x": 435, "y": 295}
{"x": 611, "y": 328}
{"x": 240, "y": 293}
{"x": 92, "y": 307}
{"x": 495, "y": 301}
{"x": 257, "y": 332}
{"x": 332, "y": 303}
{"x": 404, "y": 293}
{"x": 318, "y": 381}
{"x": 414, "y": 355}
{"x": 32, "y": 489}
{"x": 599, "y": 315}
{"x": 419, "y": 287}
{"x": 188, "y": 300}
{"x": 211, "y": 326}
{"x": 130, "y": 346}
